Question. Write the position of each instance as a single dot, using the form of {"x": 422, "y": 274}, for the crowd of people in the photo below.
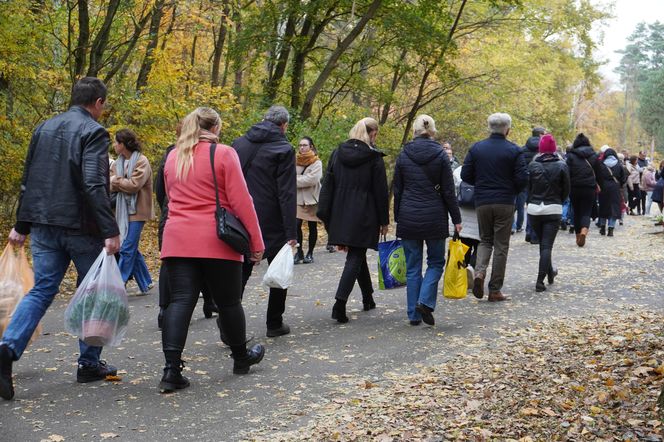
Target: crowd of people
{"x": 74, "y": 202}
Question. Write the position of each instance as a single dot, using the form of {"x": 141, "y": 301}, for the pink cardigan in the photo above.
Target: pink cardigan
{"x": 190, "y": 230}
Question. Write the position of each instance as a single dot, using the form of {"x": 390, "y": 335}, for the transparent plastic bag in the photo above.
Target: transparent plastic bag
{"x": 280, "y": 273}
{"x": 99, "y": 312}
{"x": 11, "y": 285}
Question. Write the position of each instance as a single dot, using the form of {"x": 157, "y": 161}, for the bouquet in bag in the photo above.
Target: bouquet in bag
{"x": 99, "y": 312}
{"x": 16, "y": 280}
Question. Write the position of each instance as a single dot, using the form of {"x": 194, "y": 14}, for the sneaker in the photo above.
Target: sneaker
{"x": 426, "y": 313}
{"x": 99, "y": 372}
{"x": 6, "y": 382}
{"x": 254, "y": 356}
{"x": 172, "y": 379}
{"x": 330, "y": 248}
{"x": 284, "y": 329}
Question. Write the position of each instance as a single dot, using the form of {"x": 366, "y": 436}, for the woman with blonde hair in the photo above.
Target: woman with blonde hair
{"x": 424, "y": 197}
{"x": 193, "y": 254}
{"x": 354, "y": 207}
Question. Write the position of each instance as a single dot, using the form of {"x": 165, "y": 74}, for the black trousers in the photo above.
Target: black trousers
{"x": 355, "y": 269}
{"x": 634, "y": 197}
{"x": 313, "y": 235}
{"x": 547, "y": 227}
{"x": 186, "y": 278}
{"x": 582, "y": 200}
{"x": 164, "y": 290}
{"x": 276, "y": 303}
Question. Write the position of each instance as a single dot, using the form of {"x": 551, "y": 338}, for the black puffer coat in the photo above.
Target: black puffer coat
{"x": 611, "y": 180}
{"x": 420, "y": 212}
{"x": 582, "y": 163}
{"x": 353, "y": 201}
{"x": 531, "y": 149}
{"x": 66, "y": 177}
{"x": 271, "y": 181}
{"x": 548, "y": 180}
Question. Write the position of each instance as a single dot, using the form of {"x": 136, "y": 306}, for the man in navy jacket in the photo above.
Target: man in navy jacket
{"x": 496, "y": 167}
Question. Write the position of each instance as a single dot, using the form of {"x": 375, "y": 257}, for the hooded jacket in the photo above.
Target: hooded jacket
{"x": 582, "y": 163}
{"x": 419, "y": 211}
{"x": 353, "y": 201}
{"x": 271, "y": 181}
{"x": 531, "y": 149}
{"x": 549, "y": 181}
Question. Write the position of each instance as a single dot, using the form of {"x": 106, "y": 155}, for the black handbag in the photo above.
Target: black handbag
{"x": 466, "y": 195}
{"x": 229, "y": 228}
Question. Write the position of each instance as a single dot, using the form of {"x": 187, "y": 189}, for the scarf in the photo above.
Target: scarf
{"x": 306, "y": 159}
{"x": 125, "y": 203}
{"x": 206, "y": 135}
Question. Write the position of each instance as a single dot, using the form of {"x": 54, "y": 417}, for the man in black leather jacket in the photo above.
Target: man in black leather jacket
{"x": 65, "y": 205}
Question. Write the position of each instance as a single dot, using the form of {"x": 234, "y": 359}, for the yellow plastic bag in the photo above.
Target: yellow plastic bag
{"x": 456, "y": 279}
{"x": 16, "y": 280}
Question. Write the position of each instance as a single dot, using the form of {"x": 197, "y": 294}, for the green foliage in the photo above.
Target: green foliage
{"x": 651, "y": 110}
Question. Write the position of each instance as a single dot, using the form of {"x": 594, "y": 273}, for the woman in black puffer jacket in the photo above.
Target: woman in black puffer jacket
{"x": 582, "y": 163}
{"x": 548, "y": 187}
{"x": 424, "y": 195}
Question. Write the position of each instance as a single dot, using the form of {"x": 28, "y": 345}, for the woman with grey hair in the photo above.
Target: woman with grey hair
{"x": 424, "y": 196}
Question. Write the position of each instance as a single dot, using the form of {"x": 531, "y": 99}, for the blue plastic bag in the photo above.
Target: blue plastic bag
{"x": 391, "y": 265}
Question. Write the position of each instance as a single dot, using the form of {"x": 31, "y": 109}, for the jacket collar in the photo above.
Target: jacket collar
{"x": 80, "y": 109}
{"x": 498, "y": 136}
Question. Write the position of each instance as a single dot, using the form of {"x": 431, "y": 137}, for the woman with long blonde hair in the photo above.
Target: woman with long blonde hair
{"x": 193, "y": 254}
{"x": 354, "y": 207}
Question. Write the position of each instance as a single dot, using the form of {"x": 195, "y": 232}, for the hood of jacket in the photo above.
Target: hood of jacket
{"x": 584, "y": 152}
{"x": 265, "y": 132}
{"x": 532, "y": 144}
{"x": 547, "y": 157}
{"x": 422, "y": 150}
{"x": 354, "y": 153}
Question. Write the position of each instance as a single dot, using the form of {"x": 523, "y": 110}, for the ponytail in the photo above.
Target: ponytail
{"x": 201, "y": 118}
{"x": 362, "y": 129}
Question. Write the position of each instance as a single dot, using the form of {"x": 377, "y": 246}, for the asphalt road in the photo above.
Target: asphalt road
{"x": 301, "y": 370}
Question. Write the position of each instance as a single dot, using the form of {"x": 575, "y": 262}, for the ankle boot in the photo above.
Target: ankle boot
{"x": 173, "y": 379}
{"x": 309, "y": 258}
{"x": 208, "y": 309}
{"x": 539, "y": 286}
{"x": 339, "y": 311}
{"x": 551, "y": 275}
{"x": 602, "y": 230}
{"x": 299, "y": 257}
{"x": 368, "y": 302}
{"x": 6, "y": 382}
{"x": 610, "y": 231}
{"x": 252, "y": 357}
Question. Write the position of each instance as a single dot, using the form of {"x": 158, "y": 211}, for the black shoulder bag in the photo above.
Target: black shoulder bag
{"x": 229, "y": 228}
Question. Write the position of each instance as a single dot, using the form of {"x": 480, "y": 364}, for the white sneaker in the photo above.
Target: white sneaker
{"x": 470, "y": 271}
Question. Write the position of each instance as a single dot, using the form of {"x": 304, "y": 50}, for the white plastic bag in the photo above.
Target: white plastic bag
{"x": 280, "y": 273}
{"x": 99, "y": 312}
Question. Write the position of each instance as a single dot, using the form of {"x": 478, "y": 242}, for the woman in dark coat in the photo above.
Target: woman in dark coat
{"x": 421, "y": 213}
{"x": 611, "y": 177}
{"x": 354, "y": 207}
{"x": 582, "y": 163}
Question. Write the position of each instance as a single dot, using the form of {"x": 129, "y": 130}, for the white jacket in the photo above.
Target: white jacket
{"x": 308, "y": 183}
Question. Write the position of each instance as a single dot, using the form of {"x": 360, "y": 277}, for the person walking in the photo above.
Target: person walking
{"x": 309, "y": 170}
{"x": 424, "y": 197}
{"x": 65, "y": 207}
{"x": 268, "y": 164}
{"x": 194, "y": 256}
{"x": 497, "y": 169}
{"x": 354, "y": 207}
{"x": 633, "y": 181}
{"x": 131, "y": 182}
{"x": 582, "y": 163}
{"x": 648, "y": 183}
{"x": 611, "y": 179}
{"x": 530, "y": 150}
{"x": 548, "y": 188}
{"x": 470, "y": 235}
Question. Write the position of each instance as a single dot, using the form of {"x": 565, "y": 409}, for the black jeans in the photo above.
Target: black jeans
{"x": 547, "y": 227}
{"x": 355, "y": 269}
{"x": 164, "y": 290}
{"x": 186, "y": 278}
{"x": 583, "y": 200}
{"x": 276, "y": 304}
{"x": 313, "y": 235}
{"x": 634, "y": 197}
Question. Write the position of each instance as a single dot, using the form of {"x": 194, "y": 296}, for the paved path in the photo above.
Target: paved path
{"x": 300, "y": 370}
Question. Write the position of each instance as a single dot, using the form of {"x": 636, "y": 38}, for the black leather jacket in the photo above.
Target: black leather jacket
{"x": 66, "y": 178}
{"x": 549, "y": 180}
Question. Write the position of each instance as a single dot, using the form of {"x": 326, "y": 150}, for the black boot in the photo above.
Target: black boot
{"x": 610, "y": 231}
{"x": 539, "y": 285}
{"x": 309, "y": 259}
{"x": 427, "y": 314}
{"x": 330, "y": 248}
{"x": 368, "y": 302}
{"x": 172, "y": 379}
{"x": 299, "y": 257}
{"x": 602, "y": 230}
{"x": 208, "y": 309}
{"x": 552, "y": 274}
{"x": 253, "y": 356}
{"x": 339, "y": 311}
{"x": 6, "y": 382}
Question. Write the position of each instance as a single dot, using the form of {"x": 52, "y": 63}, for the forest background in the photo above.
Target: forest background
{"x": 331, "y": 62}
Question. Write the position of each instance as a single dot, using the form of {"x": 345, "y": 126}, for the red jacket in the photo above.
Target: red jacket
{"x": 190, "y": 230}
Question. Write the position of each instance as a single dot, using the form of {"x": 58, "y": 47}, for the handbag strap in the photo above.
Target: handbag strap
{"x": 247, "y": 166}
{"x": 213, "y": 148}
{"x": 591, "y": 168}
{"x": 427, "y": 173}
{"x": 612, "y": 175}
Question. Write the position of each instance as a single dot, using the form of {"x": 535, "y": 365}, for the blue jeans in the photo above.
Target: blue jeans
{"x": 131, "y": 261}
{"x": 53, "y": 248}
{"x": 418, "y": 289}
{"x": 567, "y": 205}
{"x": 612, "y": 222}
{"x": 520, "y": 203}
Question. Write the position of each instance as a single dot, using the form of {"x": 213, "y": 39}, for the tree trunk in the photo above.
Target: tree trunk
{"x": 101, "y": 40}
{"x": 83, "y": 39}
{"x": 219, "y": 43}
{"x": 171, "y": 25}
{"x": 331, "y": 64}
{"x": 146, "y": 66}
{"x": 120, "y": 62}
{"x": 280, "y": 69}
{"x": 237, "y": 84}
{"x": 396, "y": 79}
